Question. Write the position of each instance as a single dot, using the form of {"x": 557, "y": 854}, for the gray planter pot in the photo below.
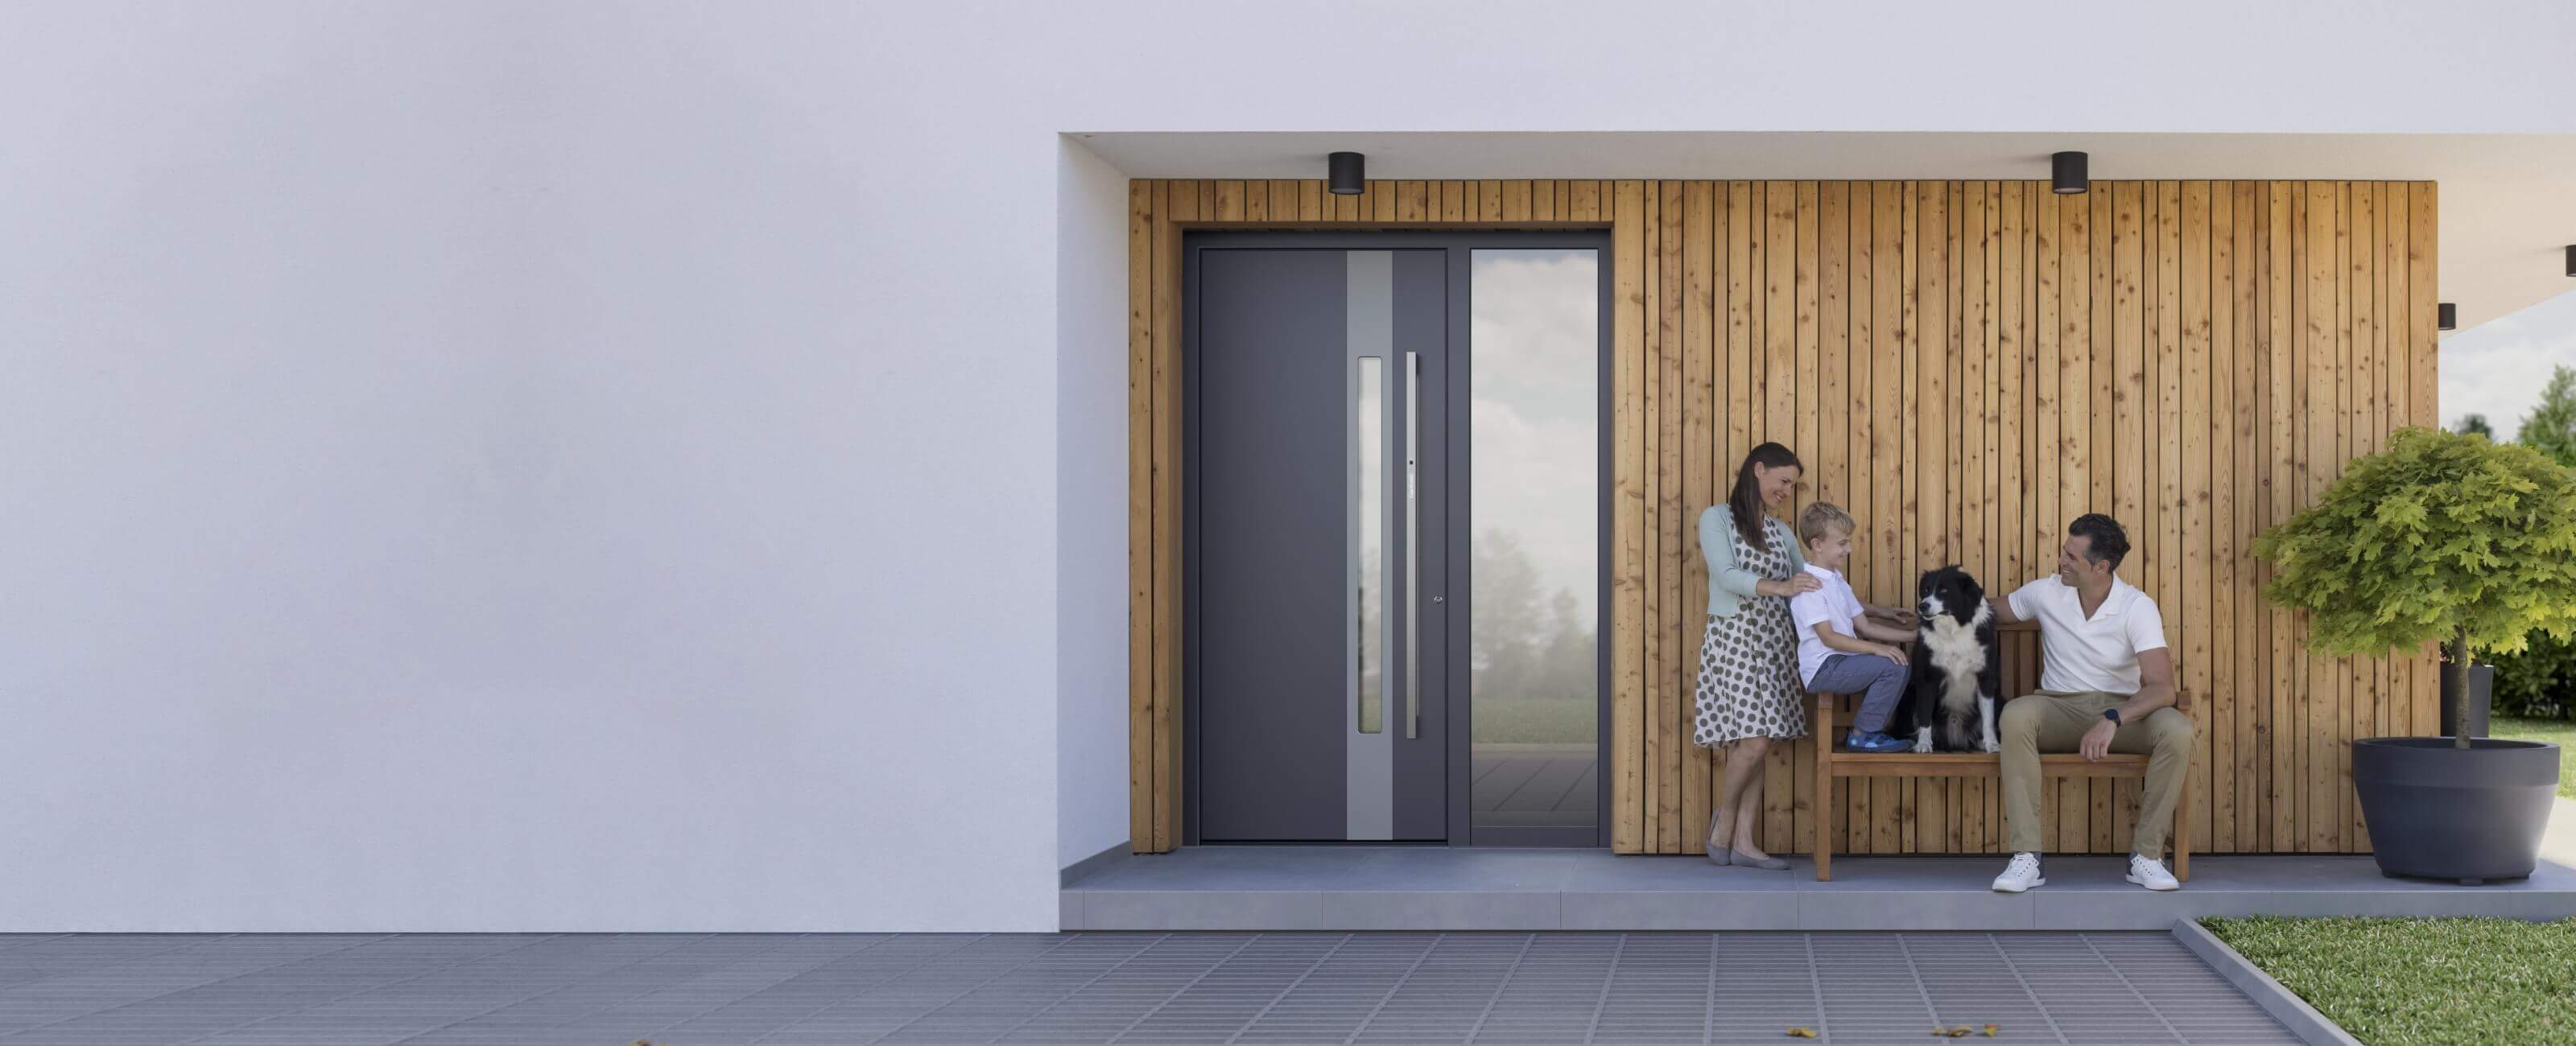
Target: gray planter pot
{"x": 2481, "y": 687}
{"x": 2440, "y": 812}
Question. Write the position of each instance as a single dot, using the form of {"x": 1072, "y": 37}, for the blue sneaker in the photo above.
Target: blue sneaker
{"x": 1874, "y": 743}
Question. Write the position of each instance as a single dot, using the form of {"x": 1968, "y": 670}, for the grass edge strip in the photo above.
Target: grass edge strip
{"x": 2276, "y": 999}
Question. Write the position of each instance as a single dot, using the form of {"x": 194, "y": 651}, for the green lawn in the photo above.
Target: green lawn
{"x": 2403, "y": 982}
{"x": 2560, "y": 731}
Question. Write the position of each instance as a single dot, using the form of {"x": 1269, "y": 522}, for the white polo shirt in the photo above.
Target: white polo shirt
{"x": 2100, "y": 654}
{"x": 1835, "y": 604}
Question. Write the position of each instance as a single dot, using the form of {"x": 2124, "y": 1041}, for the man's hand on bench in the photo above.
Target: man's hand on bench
{"x": 2097, "y": 741}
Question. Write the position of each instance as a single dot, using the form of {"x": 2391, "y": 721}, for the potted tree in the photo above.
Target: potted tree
{"x": 2452, "y": 538}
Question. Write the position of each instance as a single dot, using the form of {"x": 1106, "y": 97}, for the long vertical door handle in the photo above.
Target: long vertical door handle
{"x": 1412, "y": 545}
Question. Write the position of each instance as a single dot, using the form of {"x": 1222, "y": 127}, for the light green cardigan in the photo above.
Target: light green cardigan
{"x": 1728, "y": 584}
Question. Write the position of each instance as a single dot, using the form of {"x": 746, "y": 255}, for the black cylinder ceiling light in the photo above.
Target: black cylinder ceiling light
{"x": 2571, "y": 259}
{"x": 1349, "y": 173}
{"x": 2066, "y": 174}
{"x": 2447, "y": 317}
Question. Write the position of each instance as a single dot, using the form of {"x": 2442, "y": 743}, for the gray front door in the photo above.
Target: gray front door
{"x": 1393, "y": 567}
{"x": 1317, "y": 429}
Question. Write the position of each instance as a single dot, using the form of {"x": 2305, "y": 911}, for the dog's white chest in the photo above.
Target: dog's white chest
{"x": 1956, "y": 653}
{"x": 1954, "y": 647}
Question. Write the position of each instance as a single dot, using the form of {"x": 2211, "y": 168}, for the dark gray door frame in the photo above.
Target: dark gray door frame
{"x": 1458, "y": 528}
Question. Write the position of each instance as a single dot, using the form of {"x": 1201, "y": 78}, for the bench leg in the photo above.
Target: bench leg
{"x": 1825, "y": 820}
{"x": 1823, "y": 846}
{"x": 1824, "y": 836}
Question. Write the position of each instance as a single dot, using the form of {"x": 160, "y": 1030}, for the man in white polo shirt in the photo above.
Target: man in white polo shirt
{"x": 2106, "y": 685}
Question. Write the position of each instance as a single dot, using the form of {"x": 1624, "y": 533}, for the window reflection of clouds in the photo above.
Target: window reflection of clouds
{"x": 1535, "y": 653}
{"x": 1535, "y": 384}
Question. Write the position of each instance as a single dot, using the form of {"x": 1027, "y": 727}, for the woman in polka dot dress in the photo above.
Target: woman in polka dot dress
{"x": 1748, "y": 692}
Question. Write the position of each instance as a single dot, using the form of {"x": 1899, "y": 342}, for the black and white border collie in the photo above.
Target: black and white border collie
{"x": 1957, "y": 668}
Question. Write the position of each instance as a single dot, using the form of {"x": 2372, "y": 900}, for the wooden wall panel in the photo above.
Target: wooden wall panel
{"x": 1964, "y": 366}
{"x": 1144, "y": 793}
{"x": 1163, "y": 379}
{"x": 1630, "y": 830}
{"x": 1702, "y": 277}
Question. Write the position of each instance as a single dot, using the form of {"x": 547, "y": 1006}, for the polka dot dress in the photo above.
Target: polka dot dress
{"x": 1748, "y": 663}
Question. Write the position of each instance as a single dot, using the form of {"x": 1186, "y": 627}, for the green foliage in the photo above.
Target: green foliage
{"x": 2441, "y": 536}
{"x": 2476, "y": 425}
{"x": 2538, "y": 682}
{"x": 2405, "y": 982}
{"x": 2551, "y": 426}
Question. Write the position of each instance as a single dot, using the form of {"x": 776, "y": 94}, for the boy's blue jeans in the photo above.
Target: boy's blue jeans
{"x": 1878, "y": 680}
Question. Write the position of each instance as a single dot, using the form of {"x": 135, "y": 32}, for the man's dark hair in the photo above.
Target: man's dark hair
{"x": 2104, "y": 538}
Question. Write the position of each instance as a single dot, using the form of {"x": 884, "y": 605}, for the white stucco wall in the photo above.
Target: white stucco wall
{"x": 575, "y": 467}
{"x": 477, "y": 470}
{"x": 1091, "y": 505}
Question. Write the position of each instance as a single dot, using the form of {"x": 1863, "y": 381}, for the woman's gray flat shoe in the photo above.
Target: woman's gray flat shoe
{"x": 1772, "y": 864}
{"x": 1717, "y": 854}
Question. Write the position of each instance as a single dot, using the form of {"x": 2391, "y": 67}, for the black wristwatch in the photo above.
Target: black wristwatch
{"x": 2112, "y": 714}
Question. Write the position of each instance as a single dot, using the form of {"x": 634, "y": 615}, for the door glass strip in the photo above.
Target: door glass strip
{"x": 1368, "y": 521}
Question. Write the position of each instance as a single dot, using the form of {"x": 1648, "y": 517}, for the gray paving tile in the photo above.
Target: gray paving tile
{"x": 1855, "y": 909}
{"x": 1473, "y": 868}
{"x": 1251, "y": 887}
{"x": 1680, "y": 874}
{"x": 1464, "y": 909}
{"x": 1539, "y": 987}
{"x": 1205, "y": 909}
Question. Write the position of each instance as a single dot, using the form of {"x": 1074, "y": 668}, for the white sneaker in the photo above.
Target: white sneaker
{"x": 2020, "y": 875}
{"x": 2150, "y": 873}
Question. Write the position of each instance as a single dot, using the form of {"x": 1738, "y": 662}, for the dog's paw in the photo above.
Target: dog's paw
{"x": 1990, "y": 748}
{"x": 1923, "y": 747}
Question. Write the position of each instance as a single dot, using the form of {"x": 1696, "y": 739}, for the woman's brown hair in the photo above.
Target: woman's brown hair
{"x": 1746, "y": 502}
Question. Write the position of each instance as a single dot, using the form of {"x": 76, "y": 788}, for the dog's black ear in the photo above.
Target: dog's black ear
{"x": 1923, "y": 585}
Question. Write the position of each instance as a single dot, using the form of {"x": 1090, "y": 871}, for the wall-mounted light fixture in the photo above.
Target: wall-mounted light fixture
{"x": 2448, "y": 317}
{"x": 1349, "y": 173}
{"x": 2066, "y": 174}
{"x": 2571, "y": 259}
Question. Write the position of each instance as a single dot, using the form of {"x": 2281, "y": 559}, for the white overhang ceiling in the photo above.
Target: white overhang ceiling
{"x": 2508, "y": 202}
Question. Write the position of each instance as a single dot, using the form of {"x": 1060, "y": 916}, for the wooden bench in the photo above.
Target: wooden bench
{"x": 1833, "y": 760}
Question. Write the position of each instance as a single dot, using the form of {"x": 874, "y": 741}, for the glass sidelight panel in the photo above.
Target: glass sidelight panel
{"x": 1534, "y": 651}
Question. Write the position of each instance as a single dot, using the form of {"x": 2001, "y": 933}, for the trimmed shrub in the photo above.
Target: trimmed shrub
{"x": 2441, "y": 536}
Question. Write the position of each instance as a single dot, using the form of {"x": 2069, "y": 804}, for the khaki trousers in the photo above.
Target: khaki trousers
{"x": 2047, "y": 722}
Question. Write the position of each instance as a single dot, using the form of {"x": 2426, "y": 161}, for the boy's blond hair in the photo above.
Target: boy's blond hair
{"x": 1823, "y": 518}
